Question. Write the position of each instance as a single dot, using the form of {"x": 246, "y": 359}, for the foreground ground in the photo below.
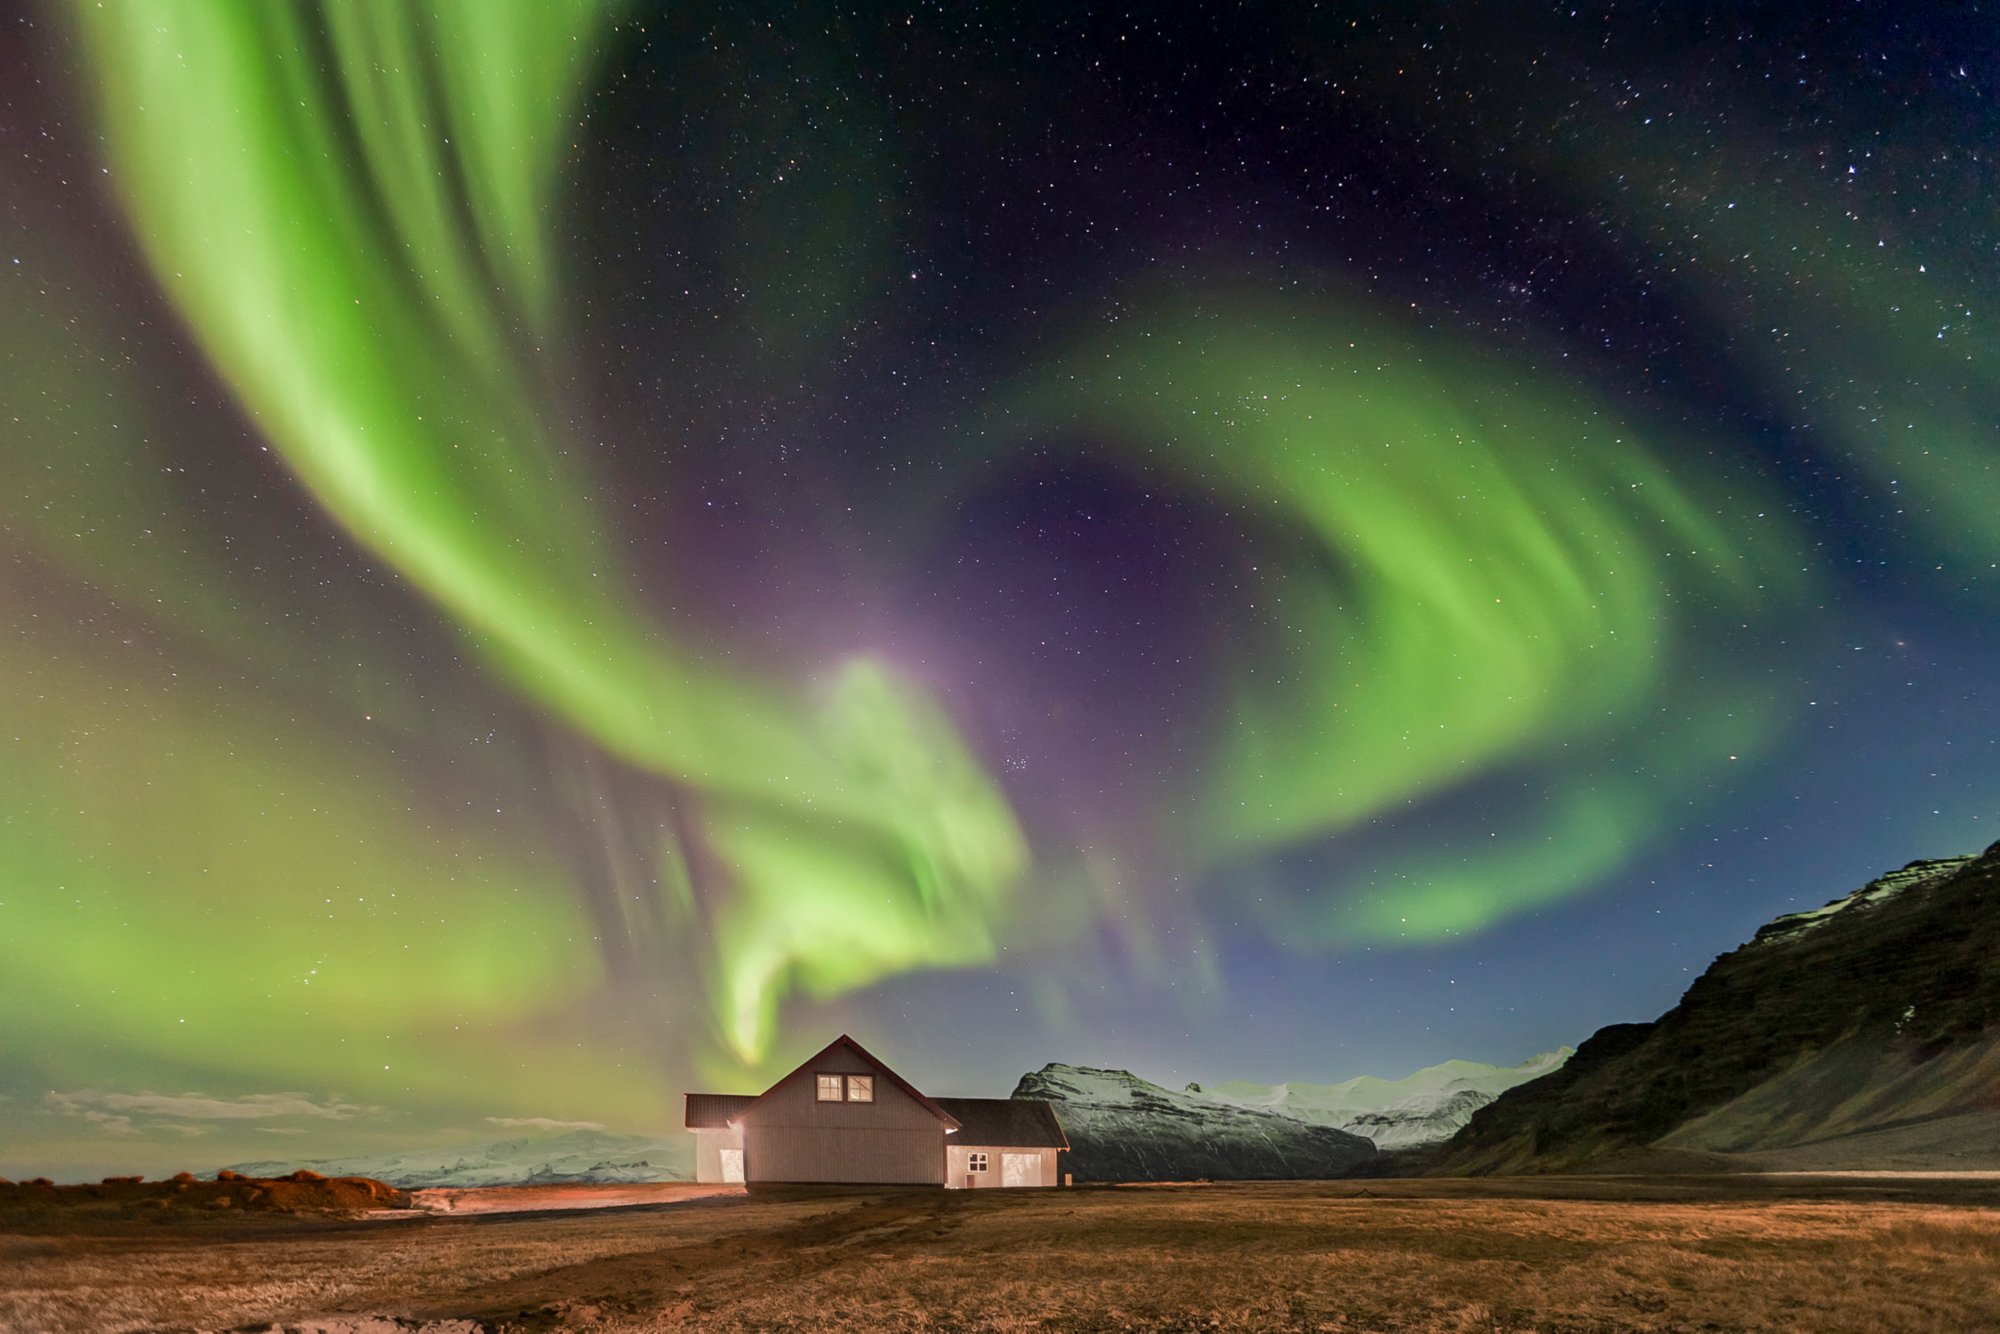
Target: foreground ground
{"x": 1553, "y": 1254}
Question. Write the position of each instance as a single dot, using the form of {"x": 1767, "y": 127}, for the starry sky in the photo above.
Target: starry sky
{"x": 551, "y": 555}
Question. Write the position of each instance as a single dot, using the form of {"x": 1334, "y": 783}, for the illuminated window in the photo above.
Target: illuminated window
{"x": 829, "y": 1088}
{"x": 975, "y": 1162}
{"x": 861, "y": 1088}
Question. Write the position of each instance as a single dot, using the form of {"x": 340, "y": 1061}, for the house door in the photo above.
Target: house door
{"x": 1018, "y": 1169}
{"x": 732, "y": 1165}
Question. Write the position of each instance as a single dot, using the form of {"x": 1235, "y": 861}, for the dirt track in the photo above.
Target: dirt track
{"x": 1581, "y": 1254}
{"x": 664, "y": 1283}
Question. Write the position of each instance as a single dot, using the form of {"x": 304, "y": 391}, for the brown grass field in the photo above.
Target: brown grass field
{"x": 1577, "y": 1254}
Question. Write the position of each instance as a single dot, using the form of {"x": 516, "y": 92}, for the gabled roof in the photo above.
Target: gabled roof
{"x": 714, "y": 1111}
{"x": 1006, "y": 1123}
{"x": 928, "y": 1104}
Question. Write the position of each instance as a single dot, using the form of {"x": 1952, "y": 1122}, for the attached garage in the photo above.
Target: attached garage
{"x": 718, "y": 1140}
{"x": 1003, "y": 1142}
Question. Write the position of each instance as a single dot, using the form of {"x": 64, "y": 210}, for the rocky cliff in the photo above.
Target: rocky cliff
{"x": 1862, "y": 1034}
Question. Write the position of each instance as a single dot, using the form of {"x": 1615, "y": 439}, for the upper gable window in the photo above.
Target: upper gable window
{"x": 844, "y": 1088}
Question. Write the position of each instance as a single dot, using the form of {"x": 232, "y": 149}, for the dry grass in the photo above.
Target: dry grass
{"x": 1310, "y": 1256}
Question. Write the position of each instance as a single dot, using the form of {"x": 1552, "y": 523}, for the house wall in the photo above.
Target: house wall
{"x": 708, "y": 1147}
{"x": 1044, "y": 1171}
{"x": 791, "y": 1136}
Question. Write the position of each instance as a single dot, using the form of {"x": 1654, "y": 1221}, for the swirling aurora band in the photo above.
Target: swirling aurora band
{"x": 333, "y": 288}
{"x": 392, "y": 402}
{"x": 1471, "y": 569}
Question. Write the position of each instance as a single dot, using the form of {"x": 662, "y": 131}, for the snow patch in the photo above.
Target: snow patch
{"x": 1876, "y": 892}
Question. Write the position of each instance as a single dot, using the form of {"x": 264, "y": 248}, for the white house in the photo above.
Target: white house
{"x": 845, "y": 1118}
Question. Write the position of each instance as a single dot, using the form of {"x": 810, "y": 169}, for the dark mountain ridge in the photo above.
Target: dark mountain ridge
{"x": 1852, "y": 1035}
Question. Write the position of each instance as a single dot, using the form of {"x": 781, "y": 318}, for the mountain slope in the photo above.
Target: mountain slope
{"x": 1856, "y": 1033}
{"x": 1122, "y": 1128}
{"x": 1427, "y": 1107}
{"x": 594, "y": 1156}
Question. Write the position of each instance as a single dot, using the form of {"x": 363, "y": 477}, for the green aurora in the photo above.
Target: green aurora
{"x": 1470, "y": 567}
{"x": 363, "y": 346}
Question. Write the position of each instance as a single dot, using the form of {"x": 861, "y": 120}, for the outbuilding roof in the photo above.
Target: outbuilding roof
{"x": 1006, "y": 1123}
{"x": 714, "y": 1111}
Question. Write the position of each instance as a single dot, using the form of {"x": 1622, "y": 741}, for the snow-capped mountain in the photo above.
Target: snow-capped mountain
{"x": 594, "y": 1156}
{"x": 1427, "y": 1107}
{"x": 1122, "y": 1128}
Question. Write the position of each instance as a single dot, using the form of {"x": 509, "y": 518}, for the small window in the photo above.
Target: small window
{"x": 975, "y": 1162}
{"x": 829, "y": 1088}
{"x": 861, "y": 1088}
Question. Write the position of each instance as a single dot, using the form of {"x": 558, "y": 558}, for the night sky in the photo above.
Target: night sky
{"x": 551, "y": 555}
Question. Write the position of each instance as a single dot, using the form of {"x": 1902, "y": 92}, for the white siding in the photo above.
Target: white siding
{"x": 708, "y": 1146}
{"x": 1042, "y": 1172}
